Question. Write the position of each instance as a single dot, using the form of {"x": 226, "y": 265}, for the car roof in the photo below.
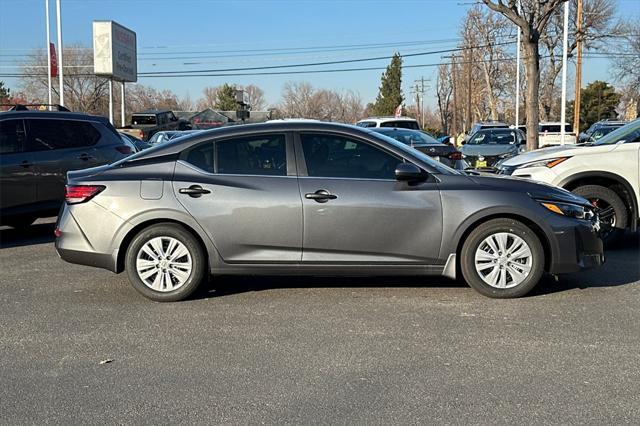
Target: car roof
{"x": 387, "y": 118}
{"x": 152, "y": 111}
{"x": 270, "y": 127}
{"x": 51, "y": 114}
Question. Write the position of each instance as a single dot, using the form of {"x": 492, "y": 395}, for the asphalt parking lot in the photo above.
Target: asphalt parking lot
{"x": 79, "y": 345}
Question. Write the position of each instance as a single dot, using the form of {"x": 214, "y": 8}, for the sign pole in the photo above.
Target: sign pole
{"x": 122, "y": 112}
{"x": 111, "y": 101}
{"x": 46, "y": 5}
{"x": 60, "y": 72}
{"x": 563, "y": 106}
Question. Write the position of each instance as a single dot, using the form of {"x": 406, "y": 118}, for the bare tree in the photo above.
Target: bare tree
{"x": 209, "y": 98}
{"x": 255, "y": 97}
{"x": 532, "y": 18}
{"x": 301, "y": 100}
{"x": 444, "y": 91}
{"x": 83, "y": 90}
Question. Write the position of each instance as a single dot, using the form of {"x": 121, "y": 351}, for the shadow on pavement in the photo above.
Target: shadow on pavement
{"x": 40, "y": 233}
{"x": 622, "y": 267}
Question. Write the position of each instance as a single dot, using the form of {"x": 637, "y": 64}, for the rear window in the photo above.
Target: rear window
{"x": 402, "y": 124}
{"x": 11, "y": 136}
{"x": 366, "y": 124}
{"x": 143, "y": 120}
{"x": 555, "y": 128}
{"x": 48, "y": 134}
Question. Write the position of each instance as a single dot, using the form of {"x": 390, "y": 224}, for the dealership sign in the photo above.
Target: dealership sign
{"x": 114, "y": 51}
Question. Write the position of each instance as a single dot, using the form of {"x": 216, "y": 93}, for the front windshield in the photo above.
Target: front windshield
{"x": 492, "y": 138}
{"x": 628, "y": 133}
{"x": 410, "y": 137}
{"x": 441, "y": 168}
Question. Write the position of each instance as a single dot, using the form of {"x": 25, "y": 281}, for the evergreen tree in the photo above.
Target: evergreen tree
{"x": 5, "y": 96}
{"x": 390, "y": 93}
{"x": 226, "y": 98}
{"x": 598, "y": 101}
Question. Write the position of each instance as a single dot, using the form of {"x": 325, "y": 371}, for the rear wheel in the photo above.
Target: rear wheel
{"x": 165, "y": 263}
{"x": 610, "y": 208}
{"x": 502, "y": 258}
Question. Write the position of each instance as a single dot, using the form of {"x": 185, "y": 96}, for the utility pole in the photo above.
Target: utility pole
{"x": 420, "y": 88}
{"x": 576, "y": 105}
{"x": 60, "y": 61}
{"x": 563, "y": 97}
{"x": 454, "y": 124}
{"x": 469, "y": 57}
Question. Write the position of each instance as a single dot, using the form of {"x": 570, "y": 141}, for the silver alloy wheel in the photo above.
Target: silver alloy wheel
{"x": 503, "y": 260}
{"x": 164, "y": 264}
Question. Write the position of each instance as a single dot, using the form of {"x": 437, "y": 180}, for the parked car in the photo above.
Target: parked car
{"x": 138, "y": 143}
{"x": 398, "y": 122}
{"x": 488, "y": 146}
{"x": 599, "y": 129}
{"x": 483, "y": 125}
{"x": 606, "y": 172}
{"x": 162, "y": 137}
{"x": 147, "y": 123}
{"x": 446, "y": 154}
{"x": 37, "y": 148}
{"x": 549, "y": 134}
{"x": 316, "y": 198}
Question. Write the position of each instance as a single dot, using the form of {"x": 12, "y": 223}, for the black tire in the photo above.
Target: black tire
{"x": 610, "y": 231}
{"x": 196, "y": 252}
{"x": 473, "y": 242}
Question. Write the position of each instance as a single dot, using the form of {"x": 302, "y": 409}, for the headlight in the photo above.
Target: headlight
{"x": 551, "y": 162}
{"x": 569, "y": 210}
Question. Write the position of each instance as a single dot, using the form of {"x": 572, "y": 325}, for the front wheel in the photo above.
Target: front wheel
{"x": 165, "y": 263}
{"x": 610, "y": 209}
{"x": 502, "y": 258}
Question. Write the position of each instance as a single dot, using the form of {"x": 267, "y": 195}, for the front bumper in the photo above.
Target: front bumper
{"x": 577, "y": 247}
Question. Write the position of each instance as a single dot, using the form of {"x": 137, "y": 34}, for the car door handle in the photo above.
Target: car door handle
{"x": 194, "y": 191}
{"x": 320, "y": 196}
{"x": 85, "y": 157}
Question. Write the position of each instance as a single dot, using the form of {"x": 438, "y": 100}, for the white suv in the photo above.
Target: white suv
{"x": 606, "y": 172}
{"x": 400, "y": 122}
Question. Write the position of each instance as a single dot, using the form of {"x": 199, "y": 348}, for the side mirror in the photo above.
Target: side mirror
{"x": 408, "y": 172}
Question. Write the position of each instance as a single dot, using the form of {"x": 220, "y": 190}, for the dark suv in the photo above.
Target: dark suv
{"x": 38, "y": 148}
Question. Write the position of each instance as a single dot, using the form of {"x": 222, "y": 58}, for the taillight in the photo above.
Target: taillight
{"x": 124, "y": 149}
{"x": 456, "y": 155}
{"x": 74, "y": 194}
{"x": 142, "y": 134}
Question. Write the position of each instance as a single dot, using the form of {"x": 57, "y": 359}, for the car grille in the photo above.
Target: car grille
{"x": 490, "y": 159}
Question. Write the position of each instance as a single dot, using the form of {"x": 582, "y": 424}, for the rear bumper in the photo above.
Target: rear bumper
{"x": 73, "y": 246}
{"x": 578, "y": 247}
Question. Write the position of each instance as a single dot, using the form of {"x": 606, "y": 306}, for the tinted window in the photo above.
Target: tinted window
{"x": 201, "y": 156}
{"x": 629, "y": 133}
{"x": 143, "y": 119}
{"x": 336, "y": 156}
{"x": 46, "y": 134}
{"x": 555, "y": 128}
{"x": 11, "y": 136}
{"x": 366, "y": 124}
{"x": 402, "y": 124}
{"x": 409, "y": 137}
{"x": 258, "y": 155}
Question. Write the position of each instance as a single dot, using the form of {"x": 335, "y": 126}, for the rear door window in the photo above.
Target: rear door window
{"x": 252, "y": 155}
{"x": 49, "y": 134}
{"x": 11, "y": 136}
{"x": 201, "y": 156}
{"x": 143, "y": 120}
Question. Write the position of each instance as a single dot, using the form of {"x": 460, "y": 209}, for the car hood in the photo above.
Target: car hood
{"x": 542, "y": 154}
{"x": 537, "y": 190}
{"x": 489, "y": 150}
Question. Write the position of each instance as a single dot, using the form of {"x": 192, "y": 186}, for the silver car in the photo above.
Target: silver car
{"x": 316, "y": 198}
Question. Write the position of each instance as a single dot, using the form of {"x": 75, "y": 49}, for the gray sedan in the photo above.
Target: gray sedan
{"x": 316, "y": 198}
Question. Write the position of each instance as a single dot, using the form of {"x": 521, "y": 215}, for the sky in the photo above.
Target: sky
{"x": 211, "y": 34}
